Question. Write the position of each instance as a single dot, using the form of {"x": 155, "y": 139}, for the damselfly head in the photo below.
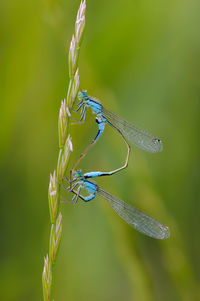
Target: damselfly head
{"x": 82, "y": 94}
{"x": 78, "y": 174}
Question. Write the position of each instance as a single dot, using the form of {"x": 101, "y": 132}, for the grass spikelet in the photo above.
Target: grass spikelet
{"x": 65, "y": 148}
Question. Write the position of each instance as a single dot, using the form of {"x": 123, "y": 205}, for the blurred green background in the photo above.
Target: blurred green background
{"x": 141, "y": 59}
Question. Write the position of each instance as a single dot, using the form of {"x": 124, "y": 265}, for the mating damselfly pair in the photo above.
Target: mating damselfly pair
{"x": 129, "y": 132}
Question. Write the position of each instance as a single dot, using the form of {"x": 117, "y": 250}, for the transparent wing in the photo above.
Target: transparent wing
{"x": 136, "y": 218}
{"x": 134, "y": 134}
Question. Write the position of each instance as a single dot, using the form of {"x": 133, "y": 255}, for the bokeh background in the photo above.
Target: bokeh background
{"x": 141, "y": 59}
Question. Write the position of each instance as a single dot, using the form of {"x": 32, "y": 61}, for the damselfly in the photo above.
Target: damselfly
{"x": 133, "y": 216}
{"x": 129, "y": 132}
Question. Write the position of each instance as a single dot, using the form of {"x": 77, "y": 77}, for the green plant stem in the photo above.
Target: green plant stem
{"x": 65, "y": 148}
